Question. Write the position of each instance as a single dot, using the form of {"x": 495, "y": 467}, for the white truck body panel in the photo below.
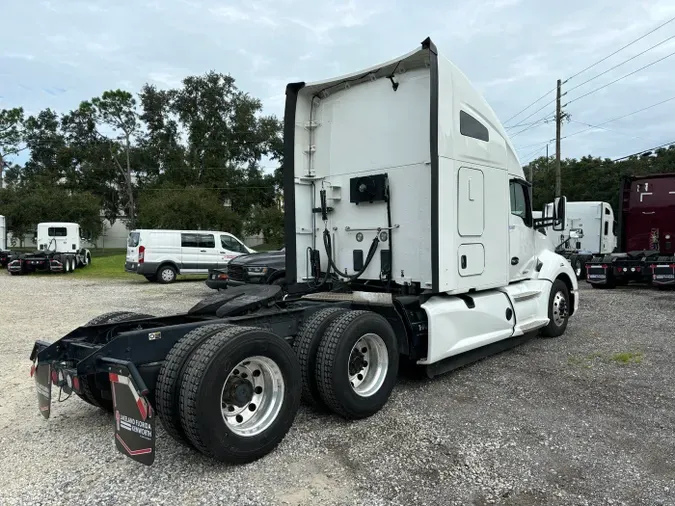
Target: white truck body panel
{"x": 461, "y": 216}
{"x": 62, "y": 237}
{"x": 596, "y": 219}
{"x": 3, "y": 233}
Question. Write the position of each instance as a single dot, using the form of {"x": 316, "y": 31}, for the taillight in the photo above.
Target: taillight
{"x": 141, "y": 254}
{"x": 76, "y": 383}
{"x": 638, "y": 269}
{"x": 604, "y": 266}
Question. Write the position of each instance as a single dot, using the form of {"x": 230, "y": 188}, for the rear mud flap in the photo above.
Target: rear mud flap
{"x": 43, "y": 386}
{"x": 134, "y": 418}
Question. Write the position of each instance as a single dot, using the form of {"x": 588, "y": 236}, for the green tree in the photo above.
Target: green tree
{"x": 11, "y": 136}
{"x": 185, "y": 208}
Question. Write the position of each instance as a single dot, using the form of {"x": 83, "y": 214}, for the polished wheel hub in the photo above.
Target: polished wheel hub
{"x": 559, "y": 309}
{"x": 252, "y": 396}
{"x": 368, "y": 364}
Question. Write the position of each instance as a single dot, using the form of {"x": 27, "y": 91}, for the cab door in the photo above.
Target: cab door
{"x": 230, "y": 248}
{"x": 521, "y": 232}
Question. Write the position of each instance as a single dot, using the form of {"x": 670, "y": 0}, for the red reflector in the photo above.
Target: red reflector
{"x": 672, "y": 266}
{"x": 652, "y": 266}
{"x": 638, "y": 269}
{"x": 55, "y": 377}
{"x": 32, "y": 370}
{"x": 604, "y": 266}
{"x": 76, "y": 383}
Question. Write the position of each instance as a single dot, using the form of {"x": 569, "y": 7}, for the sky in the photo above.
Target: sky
{"x": 56, "y": 53}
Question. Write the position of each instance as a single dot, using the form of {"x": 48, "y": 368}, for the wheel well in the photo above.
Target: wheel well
{"x": 568, "y": 283}
{"x": 170, "y": 264}
{"x": 277, "y": 275}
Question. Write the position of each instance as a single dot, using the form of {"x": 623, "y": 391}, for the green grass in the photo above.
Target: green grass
{"x": 110, "y": 265}
{"x": 627, "y": 358}
{"x": 267, "y": 247}
{"x": 619, "y": 358}
{"x": 106, "y": 266}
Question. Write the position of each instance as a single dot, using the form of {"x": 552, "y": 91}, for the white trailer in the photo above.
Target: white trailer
{"x": 59, "y": 250}
{"x": 409, "y": 232}
{"x": 590, "y": 229}
{"x": 3, "y": 233}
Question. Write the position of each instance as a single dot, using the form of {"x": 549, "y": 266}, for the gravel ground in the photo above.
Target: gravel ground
{"x": 560, "y": 421}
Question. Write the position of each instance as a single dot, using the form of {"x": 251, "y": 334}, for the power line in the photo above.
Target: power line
{"x": 619, "y": 79}
{"x": 619, "y": 117}
{"x": 520, "y": 112}
{"x": 621, "y": 49}
{"x": 644, "y": 151}
{"x": 541, "y": 121}
{"x": 590, "y": 67}
{"x": 608, "y": 129}
{"x": 620, "y": 64}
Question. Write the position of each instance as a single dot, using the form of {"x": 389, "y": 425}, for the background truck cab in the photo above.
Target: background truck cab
{"x": 160, "y": 255}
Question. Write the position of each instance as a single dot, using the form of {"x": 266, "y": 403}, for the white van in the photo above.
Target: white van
{"x": 160, "y": 255}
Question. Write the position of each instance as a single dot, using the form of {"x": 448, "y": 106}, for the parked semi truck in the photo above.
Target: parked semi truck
{"x": 59, "y": 250}
{"x": 646, "y": 224}
{"x": 409, "y": 236}
{"x": 590, "y": 229}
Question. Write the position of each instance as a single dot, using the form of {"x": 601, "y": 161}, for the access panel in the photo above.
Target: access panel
{"x": 470, "y": 202}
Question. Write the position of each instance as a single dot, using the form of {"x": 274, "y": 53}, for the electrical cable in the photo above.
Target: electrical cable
{"x": 619, "y": 79}
{"x": 620, "y": 64}
{"x": 617, "y": 118}
{"x": 621, "y": 49}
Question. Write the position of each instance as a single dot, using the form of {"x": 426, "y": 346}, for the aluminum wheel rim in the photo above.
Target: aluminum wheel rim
{"x": 559, "y": 308}
{"x": 268, "y": 388}
{"x": 368, "y": 365}
{"x": 167, "y": 275}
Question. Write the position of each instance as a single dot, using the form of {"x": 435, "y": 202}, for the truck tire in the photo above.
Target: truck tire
{"x": 91, "y": 393}
{"x": 305, "y": 345}
{"x": 357, "y": 364}
{"x": 169, "y": 378}
{"x": 240, "y": 394}
{"x": 579, "y": 269}
{"x": 166, "y": 274}
{"x": 558, "y": 310}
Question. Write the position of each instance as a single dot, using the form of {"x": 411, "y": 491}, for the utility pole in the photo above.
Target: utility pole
{"x": 558, "y": 123}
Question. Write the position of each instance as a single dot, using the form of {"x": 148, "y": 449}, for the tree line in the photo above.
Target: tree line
{"x": 595, "y": 179}
{"x": 189, "y": 157}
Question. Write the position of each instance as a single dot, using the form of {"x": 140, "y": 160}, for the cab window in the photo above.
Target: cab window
{"x": 231, "y": 244}
{"x": 520, "y": 202}
{"x": 57, "y": 232}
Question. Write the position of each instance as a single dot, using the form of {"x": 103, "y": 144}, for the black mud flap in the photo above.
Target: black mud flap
{"x": 43, "y": 386}
{"x": 134, "y": 418}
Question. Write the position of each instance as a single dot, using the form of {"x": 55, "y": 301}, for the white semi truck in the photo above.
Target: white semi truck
{"x": 409, "y": 236}
{"x": 590, "y": 229}
{"x": 60, "y": 249}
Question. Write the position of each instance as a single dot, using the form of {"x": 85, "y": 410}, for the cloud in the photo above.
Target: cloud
{"x": 512, "y": 50}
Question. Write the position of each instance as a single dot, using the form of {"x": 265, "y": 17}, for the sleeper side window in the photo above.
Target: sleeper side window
{"x": 471, "y": 127}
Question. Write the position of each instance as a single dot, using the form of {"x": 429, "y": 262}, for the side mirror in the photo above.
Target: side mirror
{"x": 577, "y": 233}
{"x": 559, "y": 208}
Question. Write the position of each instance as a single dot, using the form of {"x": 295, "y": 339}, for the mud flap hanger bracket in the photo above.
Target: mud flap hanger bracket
{"x": 136, "y": 378}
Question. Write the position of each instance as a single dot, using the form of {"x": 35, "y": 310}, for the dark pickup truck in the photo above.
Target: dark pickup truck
{"x": 267, "y": 268}
{"x": 6, "y": 257}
